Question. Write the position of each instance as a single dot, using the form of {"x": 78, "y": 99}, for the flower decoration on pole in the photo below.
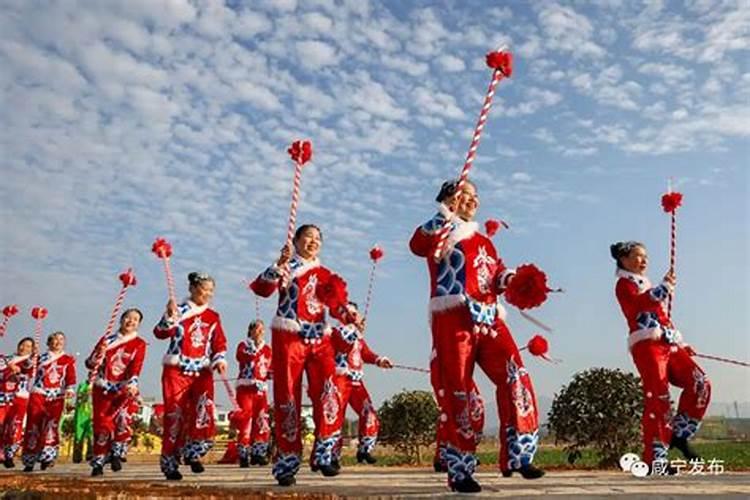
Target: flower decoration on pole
{"x": 163, "y": 250}
{"x": 376, "y": 253}
{"x": 670, "y": 202}
{"x": 8, "y": 312}
{"x": 528, "y": 288}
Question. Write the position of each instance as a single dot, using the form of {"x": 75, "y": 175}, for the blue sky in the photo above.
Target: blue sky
{"x": 121, "y": 121}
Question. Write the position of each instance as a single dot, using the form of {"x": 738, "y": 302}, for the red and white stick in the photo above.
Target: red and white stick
{"x": 163, "y": 250}
{"x": 301, "y": 153}
{"x": 376, "y": 253}
{"x": 670, "y": 202}
{"x": 723, "y": 360}
{"x": 8, "y": 312}
{"x": 412, "y": 368}
{"x": 501, "y": 62}
{"x": 127, "y": 279}
{"x": 38, "y": 313}
{"x": 230, "y": 392}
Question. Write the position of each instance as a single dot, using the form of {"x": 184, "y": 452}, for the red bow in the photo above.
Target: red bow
{"x": 38, "y": 313}
{"x": 10, "y": 311}
{"x": 128, "y": 278}
{"x": 300, "y": 151}
{"x": 376, "y": 253}
{"x": 161, "y": 248}
{"x": 502, "y": 61}
{"x": 528, "y": 288}
{"x": 670, "y": 202}
{"x": 332, "y": 292}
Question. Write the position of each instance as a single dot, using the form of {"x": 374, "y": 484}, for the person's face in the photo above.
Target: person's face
{"x": 257, "y": 332}
{"x": 202, "y": 292}
{"x": 130, "y": 322}
{"x": 467, "y": 202}
{"x": 636, "y": 261}
{"x": 57, "y": 343}
{"x": 308, "y": 244}
{"x": 25, "y": 348}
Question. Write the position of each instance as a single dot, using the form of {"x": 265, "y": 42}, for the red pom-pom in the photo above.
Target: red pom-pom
{"x": 332, "y": 292}
{"x": 671, "y": 201}
{"x": 538, "y": 345}
{"x": 491, "y": 226}
{"x": 376, "y": 253}
{"x": 300, "y": 151}
{"x": 162, "y": 248}
{"x": 528, "y": 288}
{"x": 502, "y": 61}
{"x": 128, "y": 278}
{"x": 38, "y": 313}
{"x": 10, "y": 311}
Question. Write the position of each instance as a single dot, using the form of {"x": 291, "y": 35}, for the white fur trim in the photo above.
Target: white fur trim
{"x": 445, "y": 302}
{"x": 462, "y": 231}
{"x": 193, "y": 311}
{"x": 640, "y": 280}
{"x": 122, "y": 340}
{"x": 286, "y": 324}
{"x": 650, "y": 334}
{"x": 174, "y": 360}
{"x": 52, "y": 357}
{"x": 18, "y": 359}
{"x": 307, "y": 265}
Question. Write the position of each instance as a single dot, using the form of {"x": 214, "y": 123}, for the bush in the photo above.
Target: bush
{"x": 601, "y": 409}
{"x": 407, "y": 422}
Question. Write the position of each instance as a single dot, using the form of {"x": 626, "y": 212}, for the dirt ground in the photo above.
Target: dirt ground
{"x": 139, "y": 480}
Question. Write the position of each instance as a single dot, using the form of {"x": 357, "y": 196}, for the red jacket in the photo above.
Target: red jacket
{"x": 15, "y": 385}
{"x": 352, "y": 352}
{"x": 255, "y": 365}
{"x": 122, "y": 362}
{"x": 196, "y": 339}
{"x": 55, "y": 376}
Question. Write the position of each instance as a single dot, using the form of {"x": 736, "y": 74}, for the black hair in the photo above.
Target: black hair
{"x": 251, "y": 326}
{"x": 53, "y": 335}
{"x": 304, "y": 227}
{"x": 130, "y": 310}
{"x": 354, "y": 305}
{"x": 18, "y": 346}
{"x": 622, "y": 249}
{"x": 196, "y": 278}
{"x": 448, "y": 189}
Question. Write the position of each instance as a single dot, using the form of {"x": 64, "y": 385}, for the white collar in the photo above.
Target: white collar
{"x": 122, "y": 339}
{"x": 304, "y": 265}
{"x": 639, "y": 279}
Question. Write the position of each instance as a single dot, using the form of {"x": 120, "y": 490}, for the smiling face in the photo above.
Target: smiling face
{"x": 256, "y": 332}
{"x": 636, "y": 261}
{"x": 56, "y": 342}
{"x": 129, "y": 322}
{"x": 202, "y": 292}
{"x": 308, "y": 243}
{"x": 25, "y": 347}
{"x": 467, "y": 202}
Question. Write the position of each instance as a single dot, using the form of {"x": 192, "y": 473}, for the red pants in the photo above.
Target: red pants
{"x": 458, "y": 348}
{"x": 254, "y": 429}
{"x": 356, "y": 395}
{"x": 112, "y": 419}
{"x": 42, "y": 437}
{"x": 476, "y": 410}
{"x": 188, "y": 415}
{"x": 291, "y": 357}
{"x": 11, "y": 425}
{"x": 659, "y": 365}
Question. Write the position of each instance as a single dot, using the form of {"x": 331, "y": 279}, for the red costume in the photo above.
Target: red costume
{"x": 113, "y": 405}
{"x": 54, "y": 381}
{"x": 352, "y": 352}
{"x": 661, "y": 358}
{"x": 468, "y": 327}
{"x": 196, "y": 345}
{"x": 254, "y": 427}
{"x": 14, "y": 398}
{"x": 301, "y": 342}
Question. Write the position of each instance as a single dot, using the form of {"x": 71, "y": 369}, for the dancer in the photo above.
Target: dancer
{"x": 54, "y": 383}
{"x": 14, "y": 398}
{"x": 302, "y": 343}
{"x": 661, "y": 357}
{"x": 196, "y": 346}
{"x": 468, "y": 326}
{"x": 253, "y": 423}
{"x": 118, "y": 360}
{"x": 352, "y": 352}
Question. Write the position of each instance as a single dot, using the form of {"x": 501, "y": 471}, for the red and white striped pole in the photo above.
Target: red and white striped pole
{"x": 376, "y": 253}
{"x": 670, "y": 202}
{"x": 163, "y": 250}
{"x": 8, "y": 312}
{"x": 502, "y": 64}
{"x": 38, "y": 313}
{"x": 301, "y": 153}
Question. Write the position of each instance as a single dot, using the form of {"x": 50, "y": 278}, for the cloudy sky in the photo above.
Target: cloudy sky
{"x": 123, "y": 121}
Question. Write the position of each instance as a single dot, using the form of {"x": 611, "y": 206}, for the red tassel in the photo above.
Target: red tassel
{"x": 671, "y": 201}
{"x": 39, "y": 313}
{"x": 332, "y": 292}
{"x": 538, "y": 346}
{"x": 502, "y": 61}
{"x": 162, "y": 248}
{"x": 128, "y": 278}
{"x": 376, "y": 253}
{"x": 10, "y": 310}
{"x": 300, "y": 151}
{"x": 528, "y": 288}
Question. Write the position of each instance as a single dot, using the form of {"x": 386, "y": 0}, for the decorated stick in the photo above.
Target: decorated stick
{"x": 257, "y": 308}
{"x": 502, "y": 64}
{"x": 670, "y": 202}
{"x": 127, "y": 279}
{"x": 230, "y": 391}
{"x": 8, "y": 312}
{"x": 163, "y": 250}
{"x": 38, "y": 313}
{"x": 723, "y": 360}
{"x": 301, "y": 153}
{"x": 539, "y": 347}
{"x": 376, "y": 253}
{"x": 412, "y": 368}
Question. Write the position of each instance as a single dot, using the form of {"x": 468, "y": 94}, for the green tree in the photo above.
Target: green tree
{"x": 599, "y": 409}
{"x": 407, "y": 422}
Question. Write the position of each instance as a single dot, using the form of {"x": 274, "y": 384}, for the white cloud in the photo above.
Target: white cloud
{"x": 314, "y": 54}
{"x": 521, "y": 177}
{"x": 450, "y": 63}
{"x": 567, "y": 31}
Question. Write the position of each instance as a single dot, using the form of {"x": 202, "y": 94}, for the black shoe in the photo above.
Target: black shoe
{"x": 173, "y": 475}
{"x": 363, "y": 456}
{"x": 115, "y": 464}
{"x": 335, "y": 464}
{"x": 97, "y": 470}
{"x": 9, "y": 463}
{"x": 507, "y": 473}
{"x": 530, "y": 472}
{"x": 439, "y": 466}
{"x": 28, "y": 468}
{"x": 196, "y": 466}
{"x": 46, "y": 465}
{"x": 468, "y": 485}
{"x": 683, "y": 445}
{"x": 258, "y": 460}
{"x": 124, "y": 460}
{"x": 330, "y": 470}
{"x": 244, "y": 463}
{"x": 286, "y": 480}
{"x": 314, "y": 467}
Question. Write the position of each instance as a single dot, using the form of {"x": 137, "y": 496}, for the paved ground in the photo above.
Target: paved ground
{"x": 223, "y": 481}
